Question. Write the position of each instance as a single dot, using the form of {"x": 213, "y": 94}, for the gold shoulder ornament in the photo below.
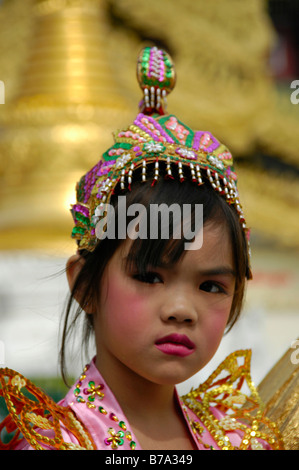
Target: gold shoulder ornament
{"x": 241, "y": 410}
{"x": 30, "y": 410}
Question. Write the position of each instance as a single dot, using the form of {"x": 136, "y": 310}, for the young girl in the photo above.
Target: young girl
{"x": 157, "y": 305}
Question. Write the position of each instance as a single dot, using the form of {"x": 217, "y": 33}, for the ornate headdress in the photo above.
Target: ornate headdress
{"x": 155, "y": 138}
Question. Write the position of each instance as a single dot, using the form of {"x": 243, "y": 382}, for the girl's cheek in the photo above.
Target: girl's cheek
{"x": 218, "y": 319}
{"x": 221, "y": 322}
{"x": 123, "y": 302}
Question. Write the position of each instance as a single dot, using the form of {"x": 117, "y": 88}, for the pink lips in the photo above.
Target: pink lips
{"x": 176, "y": 345}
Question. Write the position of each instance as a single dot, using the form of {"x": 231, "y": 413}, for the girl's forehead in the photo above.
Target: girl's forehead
{"x": 216, "y": 251}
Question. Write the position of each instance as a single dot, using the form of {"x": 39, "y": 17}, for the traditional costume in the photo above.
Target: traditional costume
{"x": 219, "y": 414}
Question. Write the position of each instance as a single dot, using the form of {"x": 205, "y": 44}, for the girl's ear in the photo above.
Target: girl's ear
{"x": 73, "y": 267}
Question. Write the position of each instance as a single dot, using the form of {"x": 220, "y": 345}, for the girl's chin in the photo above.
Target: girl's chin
{"x": 171, "y": 377}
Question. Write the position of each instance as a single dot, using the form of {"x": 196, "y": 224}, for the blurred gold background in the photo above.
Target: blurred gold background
{"x": 69, "y": 72}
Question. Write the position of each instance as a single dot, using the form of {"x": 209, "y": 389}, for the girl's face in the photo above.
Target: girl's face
{"x": 166, "y": 325}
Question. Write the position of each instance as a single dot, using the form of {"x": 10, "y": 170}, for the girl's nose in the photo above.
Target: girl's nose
{"x": 178, "y": 308}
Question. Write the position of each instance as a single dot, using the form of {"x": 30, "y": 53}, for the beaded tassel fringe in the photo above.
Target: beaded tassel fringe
{"x": 222, "y": 185}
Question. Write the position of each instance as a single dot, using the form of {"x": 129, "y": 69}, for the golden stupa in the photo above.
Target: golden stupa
{"x": 62, "y": 102}
{"x": 69, "y": 72}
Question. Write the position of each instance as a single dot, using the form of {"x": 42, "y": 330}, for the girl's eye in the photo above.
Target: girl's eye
{"x": 148, "y": 278}
{"x": 212, "y": 287}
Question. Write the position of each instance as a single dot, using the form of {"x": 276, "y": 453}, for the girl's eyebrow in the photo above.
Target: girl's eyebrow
{"x": 217, "y": 271}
